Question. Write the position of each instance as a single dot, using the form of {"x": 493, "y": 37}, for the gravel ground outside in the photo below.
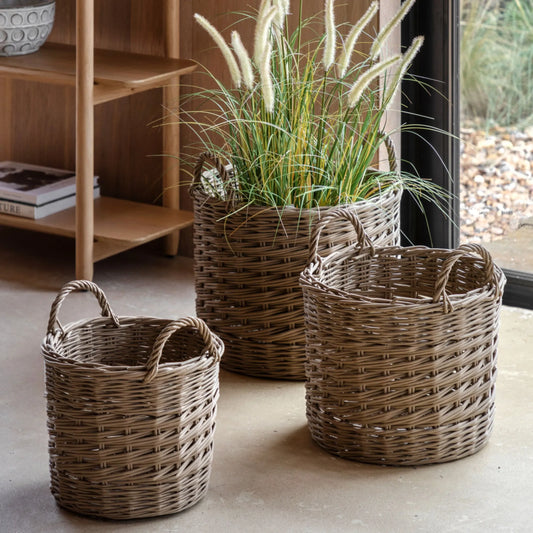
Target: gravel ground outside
{"x": 496, "y": 182}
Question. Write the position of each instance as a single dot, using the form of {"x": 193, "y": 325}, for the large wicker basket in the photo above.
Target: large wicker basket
{"x": 401, "y": 350}
{"x": 131, "y": 405}
{"x": 247, "y": 267}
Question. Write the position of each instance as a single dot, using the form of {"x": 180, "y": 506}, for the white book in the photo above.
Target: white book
{"x": 21, "y": 209}
{"x": 34, "y": 184}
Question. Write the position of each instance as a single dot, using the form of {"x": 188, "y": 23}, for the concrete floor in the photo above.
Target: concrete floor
{"x": 268, "y": 476}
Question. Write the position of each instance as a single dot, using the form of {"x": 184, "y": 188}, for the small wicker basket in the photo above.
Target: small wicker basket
{"x": 401, "y": 350}
{"x": 131, "y": 404}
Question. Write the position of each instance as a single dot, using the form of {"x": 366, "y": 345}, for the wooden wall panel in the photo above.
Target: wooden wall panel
{"x": 5, "y": 119}
{"x": 41, "y": 134}
{"x": 127, "y": 146}
{"x": 64, "y": 30}
{"x": 147, "y": 26}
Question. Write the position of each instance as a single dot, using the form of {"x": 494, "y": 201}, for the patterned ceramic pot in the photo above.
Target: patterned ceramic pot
{"x": 25, "y": 25}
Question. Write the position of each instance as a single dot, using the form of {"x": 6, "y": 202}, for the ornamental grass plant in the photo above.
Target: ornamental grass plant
{"x": 304, "y": 119}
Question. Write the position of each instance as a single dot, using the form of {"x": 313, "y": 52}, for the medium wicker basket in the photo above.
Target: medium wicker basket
{"x": 247, "y": 265}
{"x": 401, "y": 350}
{"x": 131, "y": 404}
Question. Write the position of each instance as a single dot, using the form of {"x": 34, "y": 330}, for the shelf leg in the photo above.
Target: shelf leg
{"x": 171, "y": 165}
{"x": 171, "y": 130}
{"x": 84, "y": 138}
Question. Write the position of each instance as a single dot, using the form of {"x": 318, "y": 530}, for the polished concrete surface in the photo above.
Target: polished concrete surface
{"x": 268, "y": 476}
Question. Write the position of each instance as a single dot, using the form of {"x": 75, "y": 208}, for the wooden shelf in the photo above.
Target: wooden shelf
{"x": 116, "y": 74}
{"x": 109, "y": 226}
{"x": 118, "y": 224}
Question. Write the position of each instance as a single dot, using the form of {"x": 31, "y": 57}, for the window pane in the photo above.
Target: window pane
{"x": 497, "y": 129}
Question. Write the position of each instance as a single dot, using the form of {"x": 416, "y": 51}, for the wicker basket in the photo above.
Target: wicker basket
{"x": 131, "y": 405}
{"x": 401, "y": 350}
{"x": 247, "y": 267}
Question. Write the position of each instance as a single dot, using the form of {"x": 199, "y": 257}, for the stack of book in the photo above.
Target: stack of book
{"x": 33, "y": 191}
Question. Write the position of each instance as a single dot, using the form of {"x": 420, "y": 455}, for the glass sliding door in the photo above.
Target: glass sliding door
{"x": 488, "y": 172}
{"x": 496, "y": 76}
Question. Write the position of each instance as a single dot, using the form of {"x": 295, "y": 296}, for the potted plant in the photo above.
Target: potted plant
{"x": 297, "y": 133}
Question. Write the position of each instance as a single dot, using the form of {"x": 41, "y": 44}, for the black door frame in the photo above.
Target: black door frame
{"x": 433, "y": 154}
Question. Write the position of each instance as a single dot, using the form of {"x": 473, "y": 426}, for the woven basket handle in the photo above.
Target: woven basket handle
{"x": 455, "y": 255}
{"x": 73, "y": 286}
{"x": 215, "y": 161}
{"x": 338, "y": 213}
{"x": 212, "y": 342}
{"x": 391, "y": 152}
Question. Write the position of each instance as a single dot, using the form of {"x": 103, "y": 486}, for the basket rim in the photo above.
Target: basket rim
{"x": 52, "y": 355}
{"x": 386, "y": 194}
{"x": 310, "y": 278}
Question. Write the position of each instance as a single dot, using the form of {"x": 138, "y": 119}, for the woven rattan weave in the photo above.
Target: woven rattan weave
{"x": 247, "y": 266}
{"x": 131, "y": 405}
{"x": 401, "y": 350}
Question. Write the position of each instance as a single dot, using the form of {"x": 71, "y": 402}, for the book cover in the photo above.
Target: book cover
{"x": 21, "y": 209}
{"x": 34, "y": 184}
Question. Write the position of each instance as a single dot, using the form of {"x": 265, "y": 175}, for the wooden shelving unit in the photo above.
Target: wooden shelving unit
{"x": 118, "y": 224}
{"x": 107, "y": 226}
